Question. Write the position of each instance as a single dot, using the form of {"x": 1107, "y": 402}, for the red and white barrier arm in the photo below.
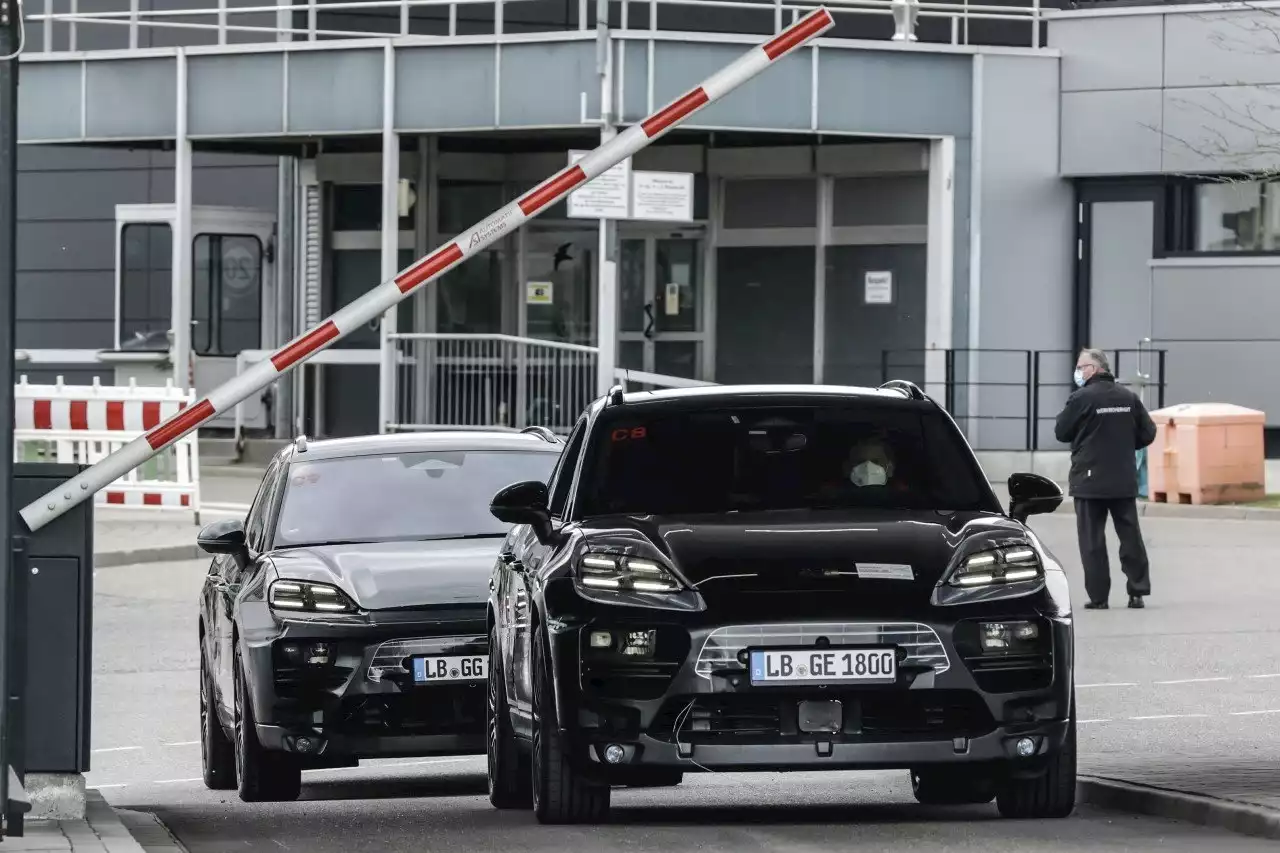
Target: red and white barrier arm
{"x": 376, "y": 302}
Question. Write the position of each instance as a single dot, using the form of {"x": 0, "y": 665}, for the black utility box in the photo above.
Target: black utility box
{"x": 53, "y": 618}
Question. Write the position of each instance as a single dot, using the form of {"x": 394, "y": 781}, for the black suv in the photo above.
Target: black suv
{"x": 777, "y": 578}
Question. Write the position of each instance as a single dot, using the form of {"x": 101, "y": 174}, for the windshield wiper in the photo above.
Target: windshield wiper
{"x": 463, "y": 536}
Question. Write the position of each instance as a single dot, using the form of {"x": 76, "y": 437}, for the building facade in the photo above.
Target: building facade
{"x": 963, "y": 209}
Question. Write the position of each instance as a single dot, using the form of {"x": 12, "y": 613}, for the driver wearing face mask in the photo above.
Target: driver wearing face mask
{"x": 870, "y": 463}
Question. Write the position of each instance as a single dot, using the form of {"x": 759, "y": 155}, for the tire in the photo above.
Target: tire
{"x": 947, "y": 786}
{"x": 217, "y": 752}
{"x": 262, "y": 776}
{"x": 1051, "y": 795}
{"x": 510, "y": 773}
{"x": 561, "y": 794}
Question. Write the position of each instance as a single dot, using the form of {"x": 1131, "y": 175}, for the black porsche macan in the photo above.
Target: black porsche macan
{"x": 777, "y": 578}
{"x": 344, "y": 618}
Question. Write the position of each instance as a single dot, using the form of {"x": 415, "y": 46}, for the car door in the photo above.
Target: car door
{"x": 227, "y": 580}
{"x": 528, "y": 555}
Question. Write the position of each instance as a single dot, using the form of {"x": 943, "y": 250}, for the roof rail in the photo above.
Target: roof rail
{"x": 615, "y": 395}
{"x": 542, "y": 433}
{"x": 910, "y": 389}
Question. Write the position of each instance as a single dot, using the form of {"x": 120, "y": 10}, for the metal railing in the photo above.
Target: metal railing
{"x": 490, "y": 381}
{"x": 1018, "y": 392}
{"x": 225, "y": 22}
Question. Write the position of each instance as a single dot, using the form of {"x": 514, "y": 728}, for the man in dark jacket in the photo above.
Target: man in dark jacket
{"x": 1105, "y": 424}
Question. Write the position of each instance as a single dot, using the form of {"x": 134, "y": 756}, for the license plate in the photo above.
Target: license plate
{"x": 438, "y": 670}
{"x": 824, "y": 666}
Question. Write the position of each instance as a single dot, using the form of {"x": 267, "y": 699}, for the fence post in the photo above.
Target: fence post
{"x": 1160, "y": 387}
{"x": 1035, "y": 402}
{"x": 950, "y": 368}
{"x": 1030, "y": 409}
{"x": 884, "y": 366}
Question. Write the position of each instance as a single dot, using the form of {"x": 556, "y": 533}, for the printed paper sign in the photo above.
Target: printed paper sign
{"x": 886, "y": 571}
{"x": 607, "y": 196}
{"x": 538, "y": 293}
{"x": 878, "y": 288}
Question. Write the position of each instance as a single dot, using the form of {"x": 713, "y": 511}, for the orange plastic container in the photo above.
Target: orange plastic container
{"x": 1207, "y": 453}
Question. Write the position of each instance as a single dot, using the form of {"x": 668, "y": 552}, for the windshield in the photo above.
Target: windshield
{"x": 401, "y": 496}
{"x": 851, "y": 455}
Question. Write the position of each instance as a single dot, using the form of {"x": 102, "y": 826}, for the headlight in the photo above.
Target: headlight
{"x": 308, "y": 597}
{"x": 1001, "y": 565}
{"x": 625, "y": 574}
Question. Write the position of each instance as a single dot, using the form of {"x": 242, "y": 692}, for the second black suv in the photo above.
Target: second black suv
{"x": 777, "y": 578}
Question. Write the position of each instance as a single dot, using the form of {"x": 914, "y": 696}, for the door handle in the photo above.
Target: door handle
{"x": 648, "y": 316}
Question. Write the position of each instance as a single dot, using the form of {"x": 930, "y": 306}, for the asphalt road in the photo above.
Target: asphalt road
{"x": 1193, "y": 679}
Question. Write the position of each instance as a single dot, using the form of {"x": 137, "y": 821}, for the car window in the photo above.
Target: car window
{"x": 401, "y": 496}
{"x": 852, "y": 455}
{"x": 255, "y": 521}
{"x": 562, "y": 478}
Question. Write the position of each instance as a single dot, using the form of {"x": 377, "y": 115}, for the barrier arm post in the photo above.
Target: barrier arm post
{"x": 377, "y": 301}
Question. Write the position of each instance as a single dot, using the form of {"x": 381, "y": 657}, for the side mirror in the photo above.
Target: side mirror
{"x": 223, "y": 537}
{"x": 524, "y": 503}
{"x": 1032, "y": 494}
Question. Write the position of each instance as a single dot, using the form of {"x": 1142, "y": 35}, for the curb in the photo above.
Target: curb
{"x": 167, "y": 554}
{"x": 1231, "y": 815}
{"x": 104, "y": 823}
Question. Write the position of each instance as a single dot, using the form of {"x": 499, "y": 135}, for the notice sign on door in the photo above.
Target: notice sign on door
{"x": 537, "y": 293}
{"x": 608, "y": 196}
{"x": 878, "y": 288}
{"x": 662, "y": 196}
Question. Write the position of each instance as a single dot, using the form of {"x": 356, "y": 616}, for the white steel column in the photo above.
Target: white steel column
{"x": 826, "y": 191}
{"x": 390, "y": 238}
{"x": 180, "y": 310}
{"x": 940, "y": 265}
{"x": 607, "y": 303}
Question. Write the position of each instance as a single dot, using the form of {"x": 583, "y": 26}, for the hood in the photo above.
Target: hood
{"x": 383, "y": 575}
{"x": 810, "y": 564}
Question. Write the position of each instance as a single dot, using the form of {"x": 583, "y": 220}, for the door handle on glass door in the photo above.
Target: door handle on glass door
{"x": 648, "y": 320}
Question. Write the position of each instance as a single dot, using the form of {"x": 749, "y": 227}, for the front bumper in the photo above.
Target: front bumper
{"x": 692, "y": 709}
{"x": 362, "y": 702}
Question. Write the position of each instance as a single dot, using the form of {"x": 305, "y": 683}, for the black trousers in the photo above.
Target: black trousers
{"x": 1091, "y": 527}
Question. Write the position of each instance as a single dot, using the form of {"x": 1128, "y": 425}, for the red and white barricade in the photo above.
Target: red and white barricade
{"x": 83, "y": 424}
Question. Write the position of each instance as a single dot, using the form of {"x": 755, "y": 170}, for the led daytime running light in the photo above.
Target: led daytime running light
{"x": 306, "y": 597}
{"x": 1000, "y": 565}
{"x": 625, "y": 573}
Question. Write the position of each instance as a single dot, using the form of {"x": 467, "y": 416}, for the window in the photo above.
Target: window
{"x": 226, "y": 299}
{"x": 256, "y": 520}
{"x": 565, "y": 468}
{"x": 146, "y": 286}
{"x": 1237, "y": 216}
{"x": 358, "y": 207}
{"x": 439, "y": 494}
{"x": 765, "y": 458}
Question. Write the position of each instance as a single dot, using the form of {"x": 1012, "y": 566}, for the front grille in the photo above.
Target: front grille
{"x": 454, "y": 709}
{"x": 392, "y": 657}
{"x": 920, "y": 642}
{"x": 868, "y": 716}
{"x": 1012, "y": 673}
{"x": 296, "y": 682}
{"x": 620, "y": 679}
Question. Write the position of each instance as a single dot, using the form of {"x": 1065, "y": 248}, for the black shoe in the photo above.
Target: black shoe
{"x": 1135, "y": 601}
{"x": 1096, "y": 605}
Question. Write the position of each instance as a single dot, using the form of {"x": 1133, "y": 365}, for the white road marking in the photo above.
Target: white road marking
{"x": 115, "y": 785}
{"x": 175, "y": 781}
{"x": 1195, "y": 680}
{"x": 119, "y": 749}
{"x": 1169, "y": 716}
{"x": 1111, "y": 684}
{"x": 1269, "y": 675}
{"x": 1252, "y": 713}
{"x": 1092, "y": 721}
{"x": 184, "y": 743}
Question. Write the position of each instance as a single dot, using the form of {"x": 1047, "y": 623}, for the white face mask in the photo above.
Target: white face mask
{"x": 1078, "y": 376}
{"x": 868, "y": 474}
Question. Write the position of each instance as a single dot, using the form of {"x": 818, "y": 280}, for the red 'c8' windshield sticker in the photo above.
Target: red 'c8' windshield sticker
{"x": 630, "y": 433}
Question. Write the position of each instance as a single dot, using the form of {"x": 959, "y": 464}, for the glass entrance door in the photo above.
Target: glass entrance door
{"x": 662, "y": 328}
{"x": 559, "y": 288}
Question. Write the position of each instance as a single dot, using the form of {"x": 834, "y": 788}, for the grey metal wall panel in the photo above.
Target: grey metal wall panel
{"x": 870, "y": 91}
{"x": 526, "y": 97}
{"x": 444, "y": 87}
{"x": 132, "y": 98}
{"x": 960, "y": 240}
{"x": 1221, "y": 129}
{"x": 1111, "y": 133}
{"x": 1110, "y": 52}
{"x": 237, "y": 94}
{"x": 335, "y": 90}
{"x": 632, "y": 58}
{"x": 65, "y": 334}
{"x": 47, "y": 246}
{"x": 44, "y": 195}
{"x": 778, "y": 98}
{"x": 857, "y": 334}
{"x": 41, "y": 158}
{"x": 881, "y": 200}
{"x": 1224, "y": 49}
{"x": 1218, "y": 303}
{"x": 69, "y": 295}
{"x": 1026, "y": 230}
{"x": 237, "y": 186}
{"x": 49, "y": 101}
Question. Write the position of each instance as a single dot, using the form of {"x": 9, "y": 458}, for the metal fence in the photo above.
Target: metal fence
{"x": 490, "y": 381}
{"x": 1008, "y": 399}
{"x": 223, "y": 22}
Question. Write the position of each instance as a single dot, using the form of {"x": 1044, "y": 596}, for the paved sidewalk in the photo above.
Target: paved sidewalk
{"x": 102, "y": 831}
